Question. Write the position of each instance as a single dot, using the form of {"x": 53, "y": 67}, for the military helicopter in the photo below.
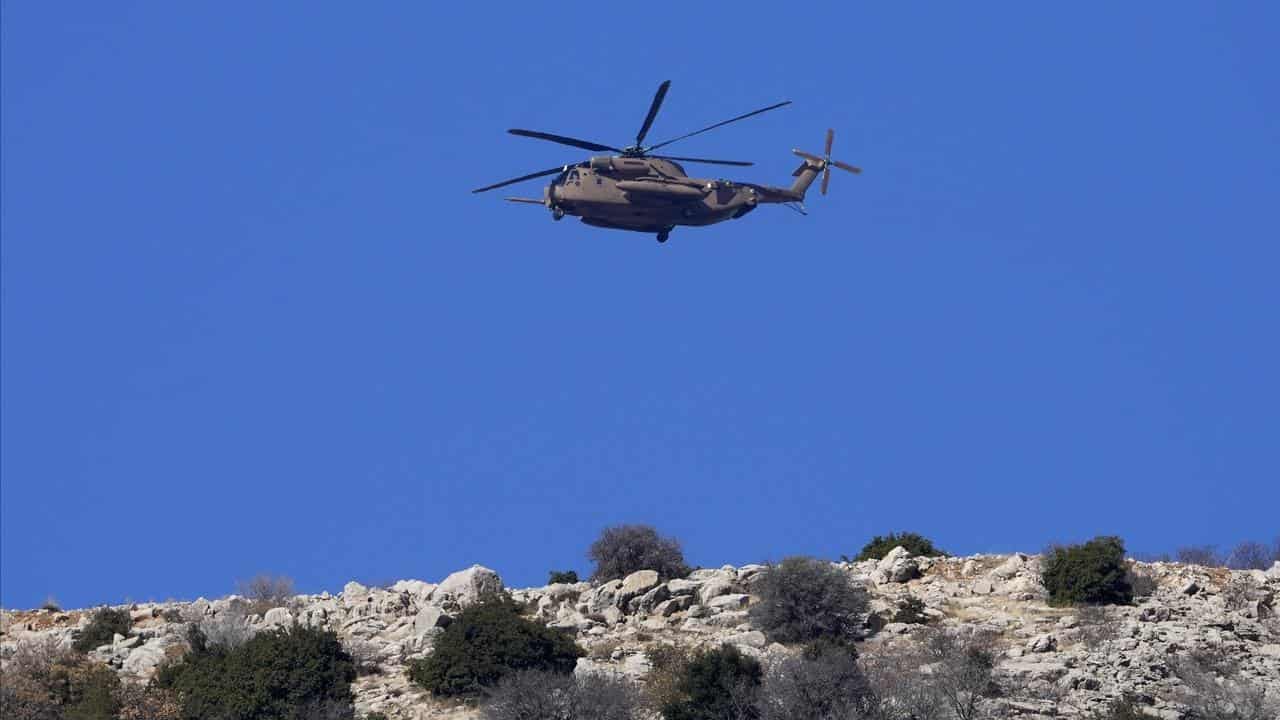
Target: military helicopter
{"x": 642, "y": 192}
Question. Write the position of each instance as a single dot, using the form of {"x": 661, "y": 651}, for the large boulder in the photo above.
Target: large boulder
{"x": 467, "y": 586}
{"x": 714, "y": 588}
{"x": 896, "y": 567}
{"x": 636, "y": 584}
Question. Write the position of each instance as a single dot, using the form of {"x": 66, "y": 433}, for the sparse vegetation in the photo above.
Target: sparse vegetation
{"x": 1250, "y": 555}
{"x": 284, "y": 674}
{"x": 51, "y": 604}
{"x": 803, "y": 599}
{"x": 1142, "y": 584}
{"x": 265, "y": 591}
{"x": 227, "y": 630}
{"x": 624, "y": 549}
{"x": 1092, "y": 573}
{"x": 1213, "y": 689}
{"x": 825, "y": 682}
{"x": 486, "y": 642}
{"x": 715, "y": 685}
{"x": 103, "y": 626}
{"x": 911, "y": 611}
{"x": 914, "y": 543}
{"x": 43, "y": 681}
{"x": 541, "y": 695}
{"x": 562, "y": 576}
{"x": 1206, "y": 555}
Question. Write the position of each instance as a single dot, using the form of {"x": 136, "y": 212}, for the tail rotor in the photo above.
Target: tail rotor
{"x": 825, "y": 163}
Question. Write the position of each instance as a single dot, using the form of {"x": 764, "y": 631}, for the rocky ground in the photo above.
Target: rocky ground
{"x": 1054, "y": 662}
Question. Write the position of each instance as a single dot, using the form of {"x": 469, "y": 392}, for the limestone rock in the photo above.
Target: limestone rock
{"x": 467, "y": 586}
{"x": 636, "y": 584}
{"x": 729, "y": 602}
{"x": 714, "y": 588}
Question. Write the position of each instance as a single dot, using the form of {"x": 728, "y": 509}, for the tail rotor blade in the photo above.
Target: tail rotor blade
{"x": 831, "y": 135}
{"x": 826, "y": 178}
{"x": 847, "y": 167}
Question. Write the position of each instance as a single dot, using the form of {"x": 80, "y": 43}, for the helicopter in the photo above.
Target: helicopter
{"x": 634, "y": 189}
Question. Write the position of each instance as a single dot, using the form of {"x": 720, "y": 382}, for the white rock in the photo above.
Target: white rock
{"x": 714, "y": 588}
{"x": 753, "y": 638}
{"x": 468, "y": 586}
{"x": 1008, "y": 568}
{"x": 278, "y": 616}
{"x": 1274, "y": 571}
{"x": 144, "y": 659}
{"x": 429, "y": 617}
{"x": 683, "y": 587}
{"x": 636, "y": 584}
{"x": 729, "y": 602}
{"x": 416, "y": 588}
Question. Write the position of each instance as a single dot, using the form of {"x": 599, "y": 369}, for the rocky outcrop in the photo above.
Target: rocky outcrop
{"x": 1079, "y": 659}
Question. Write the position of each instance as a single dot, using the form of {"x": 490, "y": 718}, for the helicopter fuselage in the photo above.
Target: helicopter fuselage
{"x": 651, "y": 195}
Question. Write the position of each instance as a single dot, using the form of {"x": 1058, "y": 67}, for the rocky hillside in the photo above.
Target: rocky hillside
{"x": 1053, "y": 661}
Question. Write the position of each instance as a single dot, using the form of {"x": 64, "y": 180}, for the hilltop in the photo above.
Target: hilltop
{"x": 1051, "y": 661}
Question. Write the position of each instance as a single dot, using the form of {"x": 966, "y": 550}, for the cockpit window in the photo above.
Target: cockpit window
{"x": 573, "y": 176}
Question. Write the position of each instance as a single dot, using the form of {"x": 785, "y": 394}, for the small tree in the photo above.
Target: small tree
{"x": 1093, "y": 573}
{"x": 264, "y": 592}
{"x": 624, "y": 549}
{"x": 914, "y": 543}
{"x": 962, "y": 668}
{"x": 717, "y": 685}
{"x": 103, "y": 626}
{"x": 803, "y": 599}
{"x": 488, "y": 641}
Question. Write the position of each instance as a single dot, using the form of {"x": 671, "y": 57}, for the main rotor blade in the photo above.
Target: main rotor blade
{"x": 738, "y": 163}
{"x": 653, "y": 111}
{"x": 571, "y": 142}
{"x": 522, "y": 178}
{"x": 719, "y": 124}
{"x": 846, "y": 166}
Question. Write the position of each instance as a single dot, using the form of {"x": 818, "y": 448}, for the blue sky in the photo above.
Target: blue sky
{"x": 253, "y": 320}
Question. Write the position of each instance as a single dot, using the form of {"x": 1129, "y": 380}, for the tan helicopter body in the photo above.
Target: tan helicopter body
{"x": 634, "y": 190}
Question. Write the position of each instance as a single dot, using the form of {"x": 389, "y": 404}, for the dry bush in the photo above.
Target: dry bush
{"x": 228, "y": 629}
{"x": 45, "y": 681}
{"x": 961, "y": 672}
{"x": 148, "y": 702}
{"x": 624, "y": 549}
{"x": 264, "y": 592}
{"x": 662, "y": 684}
{"x": 803, "y": 599}
{"x": 51, "y": 604}
{"x": 1206, "y": 555}
{"x": 1213, "y": 690}
{"x": 1250, "y": 555}
{"x": 825, "y": 684}
{"x": 537, "y": 695}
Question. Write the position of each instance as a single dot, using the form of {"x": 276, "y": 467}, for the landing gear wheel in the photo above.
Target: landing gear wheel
{"x": 662, "y": 236}
{"x": 557, "y": 214}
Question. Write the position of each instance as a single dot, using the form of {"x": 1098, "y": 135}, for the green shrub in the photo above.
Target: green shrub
{"x": 914, "y": 543}
{"x": 911, "y": 612}
{"x": 102, "y": 628}
{"x": 1093, "y": 573}
{"x": 562, "y": 576}
{"x": 803, "y": 599}
{"x": 488, "y": 641}
{"x": 278, "y": 674}
{"x": 624, "y": 549}
{"x": 716, "y": 684}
